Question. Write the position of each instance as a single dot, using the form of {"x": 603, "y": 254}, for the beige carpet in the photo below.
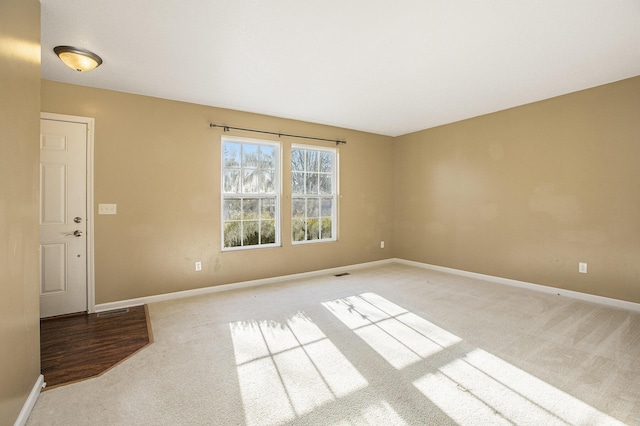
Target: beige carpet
{"x": 386, "y": 345}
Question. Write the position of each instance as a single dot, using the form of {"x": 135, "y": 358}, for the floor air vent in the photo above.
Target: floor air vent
{"x": 342, "y": 274}
{"x": 112, "y": 313}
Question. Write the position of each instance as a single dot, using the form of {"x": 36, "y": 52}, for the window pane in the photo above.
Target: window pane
{"x": 232, "y": 210}
{"x": 297, "y": 208}
{"x": 267, "y": 157}
{"x": 326, "y": 162}
{"x": 313, "y": 229}
{"x": 268, "y": 210}
{"x": 267, "y": 232}
{"x": 297, "y": 182}
{"x": 250, "y": 181}
{"x": 232, "y": 181}
{"x": 250, "y": 208}
{"x": 312, "y": 161}
{"x": 297, "y": 160}
{"x": 326, "y": 207}
{"x": 249, "y": 155}
{"x": 250, "y": 236}
{"x": 267, "y": 185}
{"x": 231, "y": 154}
{"x": 298, "y": 230}
{"x": 325, "y": 184}
{"x": 326, "y": 228}
{"x": 232, "y": 234}
{"x": 312, "y": 183}
{"x": 313, "y": 207}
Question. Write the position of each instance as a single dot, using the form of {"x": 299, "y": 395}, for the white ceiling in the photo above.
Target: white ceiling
{"x": 382, "y": 66}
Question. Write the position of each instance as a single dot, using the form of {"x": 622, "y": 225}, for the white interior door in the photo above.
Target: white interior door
{"x": 63, "y": 217}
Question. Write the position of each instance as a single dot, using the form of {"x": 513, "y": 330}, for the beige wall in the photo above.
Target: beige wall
{"x": 19, "y": 130}
{"x": 158, "y": 160}
{"x": 529, "y": 192}
{"x": 525, "y": 193}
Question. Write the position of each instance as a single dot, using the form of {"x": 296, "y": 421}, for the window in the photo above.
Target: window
{"x": 313, "y": 194}
{"x": 250, "y": 193}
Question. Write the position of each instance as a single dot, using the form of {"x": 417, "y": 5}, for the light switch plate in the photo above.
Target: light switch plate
{"x": 107, "y": 208}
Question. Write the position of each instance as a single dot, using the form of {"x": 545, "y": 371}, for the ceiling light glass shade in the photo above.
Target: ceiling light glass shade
{"x": 78, "y": 59}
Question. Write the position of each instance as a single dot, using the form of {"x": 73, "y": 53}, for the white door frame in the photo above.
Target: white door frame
{"x": 90, "y": 122}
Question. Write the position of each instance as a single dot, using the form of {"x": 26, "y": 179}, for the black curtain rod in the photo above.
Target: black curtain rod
{"x": 227, "y": 128}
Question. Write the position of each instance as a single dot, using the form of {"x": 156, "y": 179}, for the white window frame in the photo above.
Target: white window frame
{"x": 333, "y": 196}
{"x": 276, "y": 196}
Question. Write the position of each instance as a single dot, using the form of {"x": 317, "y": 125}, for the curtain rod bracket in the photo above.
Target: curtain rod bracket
{"x": 227, "y": 128}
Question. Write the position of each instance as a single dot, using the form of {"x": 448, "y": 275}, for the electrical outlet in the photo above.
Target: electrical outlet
{"x": 381, "y": 244}
{"x": 582, "y": 268}
{"x": 198, "y": 266}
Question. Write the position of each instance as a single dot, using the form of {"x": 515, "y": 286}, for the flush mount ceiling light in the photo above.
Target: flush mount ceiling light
{"x": 78, "y": 59}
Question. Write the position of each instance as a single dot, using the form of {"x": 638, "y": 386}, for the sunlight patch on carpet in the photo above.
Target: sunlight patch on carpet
{"x": 482, "y": 387}
{"x": 399, "y": 336}
{"x": 286, "y": 370}
{"x": 477, "y": 388}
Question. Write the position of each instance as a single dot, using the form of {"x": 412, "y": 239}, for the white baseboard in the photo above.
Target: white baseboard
{"x": 225, "y": 287}
{"x": 616, "y": 303}
{"x": 30, "y": 402}
{"x": 622, "y": 304}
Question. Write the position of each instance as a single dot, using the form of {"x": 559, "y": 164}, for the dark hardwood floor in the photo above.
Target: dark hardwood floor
{"x": 78, "y": 347}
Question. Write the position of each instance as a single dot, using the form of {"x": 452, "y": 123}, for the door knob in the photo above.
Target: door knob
{"x": 76, "y": 233}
